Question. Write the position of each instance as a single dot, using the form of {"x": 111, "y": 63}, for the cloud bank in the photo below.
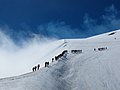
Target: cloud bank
{"x": 16, "y": 59}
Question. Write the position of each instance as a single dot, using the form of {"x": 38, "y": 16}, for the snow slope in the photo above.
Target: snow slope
{"x": 91, "y": 70}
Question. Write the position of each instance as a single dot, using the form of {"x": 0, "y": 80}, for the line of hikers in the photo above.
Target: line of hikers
{"x": 61, "y": 55}
{"x": 36, "y": 68}
{"x": 47, "y": 63}
{"x": 81, "y": 51}
{"x": 64, "y": 53}
{"x": 100, "y": 49}
{"x": 56, "y": 57}
{"x": 76, "y": 51}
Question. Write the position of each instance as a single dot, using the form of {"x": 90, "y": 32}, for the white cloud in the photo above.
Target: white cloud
{"x": 16, "y": 60}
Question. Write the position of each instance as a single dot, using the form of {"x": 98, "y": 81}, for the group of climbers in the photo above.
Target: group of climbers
{"x": 60, "y": 55}
{"x": 76, "y": 51}
{"x": 46, "y": 64}
{"x": 57, "y": 57}
{"x": 100, "y": 49}
{"x": 63, "y": 54}
{"x": 36, "y": 68}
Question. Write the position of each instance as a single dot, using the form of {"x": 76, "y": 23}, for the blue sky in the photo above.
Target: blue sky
{"x": 58, "y": 18}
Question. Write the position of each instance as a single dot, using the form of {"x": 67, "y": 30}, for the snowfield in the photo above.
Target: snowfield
{"x": 90, "y": 70}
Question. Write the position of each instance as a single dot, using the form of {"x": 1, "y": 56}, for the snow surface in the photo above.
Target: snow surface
{"x": 90, "y": 70}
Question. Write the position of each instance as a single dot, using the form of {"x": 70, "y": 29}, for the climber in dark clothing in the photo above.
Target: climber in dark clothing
{"x": 35, "y": 68}
{"x": 94, "y": 49}
{"x": 56, "y": 58}
{"x": 52, "y": 59}
{"x": 46, "y": 64}
{"x": 38, "y": 67}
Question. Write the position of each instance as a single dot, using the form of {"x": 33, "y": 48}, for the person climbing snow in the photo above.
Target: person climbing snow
{"x": 35, "y": 68}
{"x": 38, "y": 67}
{"x": 46, "y": 64}
{"x": 94, "y": 49}
{"x": 52, "y": 59}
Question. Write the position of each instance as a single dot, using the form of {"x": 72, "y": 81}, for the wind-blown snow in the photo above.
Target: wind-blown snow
{"x": 91, "y": 70}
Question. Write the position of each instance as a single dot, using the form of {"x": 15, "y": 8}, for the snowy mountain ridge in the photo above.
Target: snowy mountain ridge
{"x": 96, "y": 68}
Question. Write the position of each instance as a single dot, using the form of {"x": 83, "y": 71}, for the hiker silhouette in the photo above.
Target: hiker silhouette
{"x": 52, "y": 59}
{"x": 35, "y": 68}
{"x": 46, "y": 64}
{"x": 38, "y": 67}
